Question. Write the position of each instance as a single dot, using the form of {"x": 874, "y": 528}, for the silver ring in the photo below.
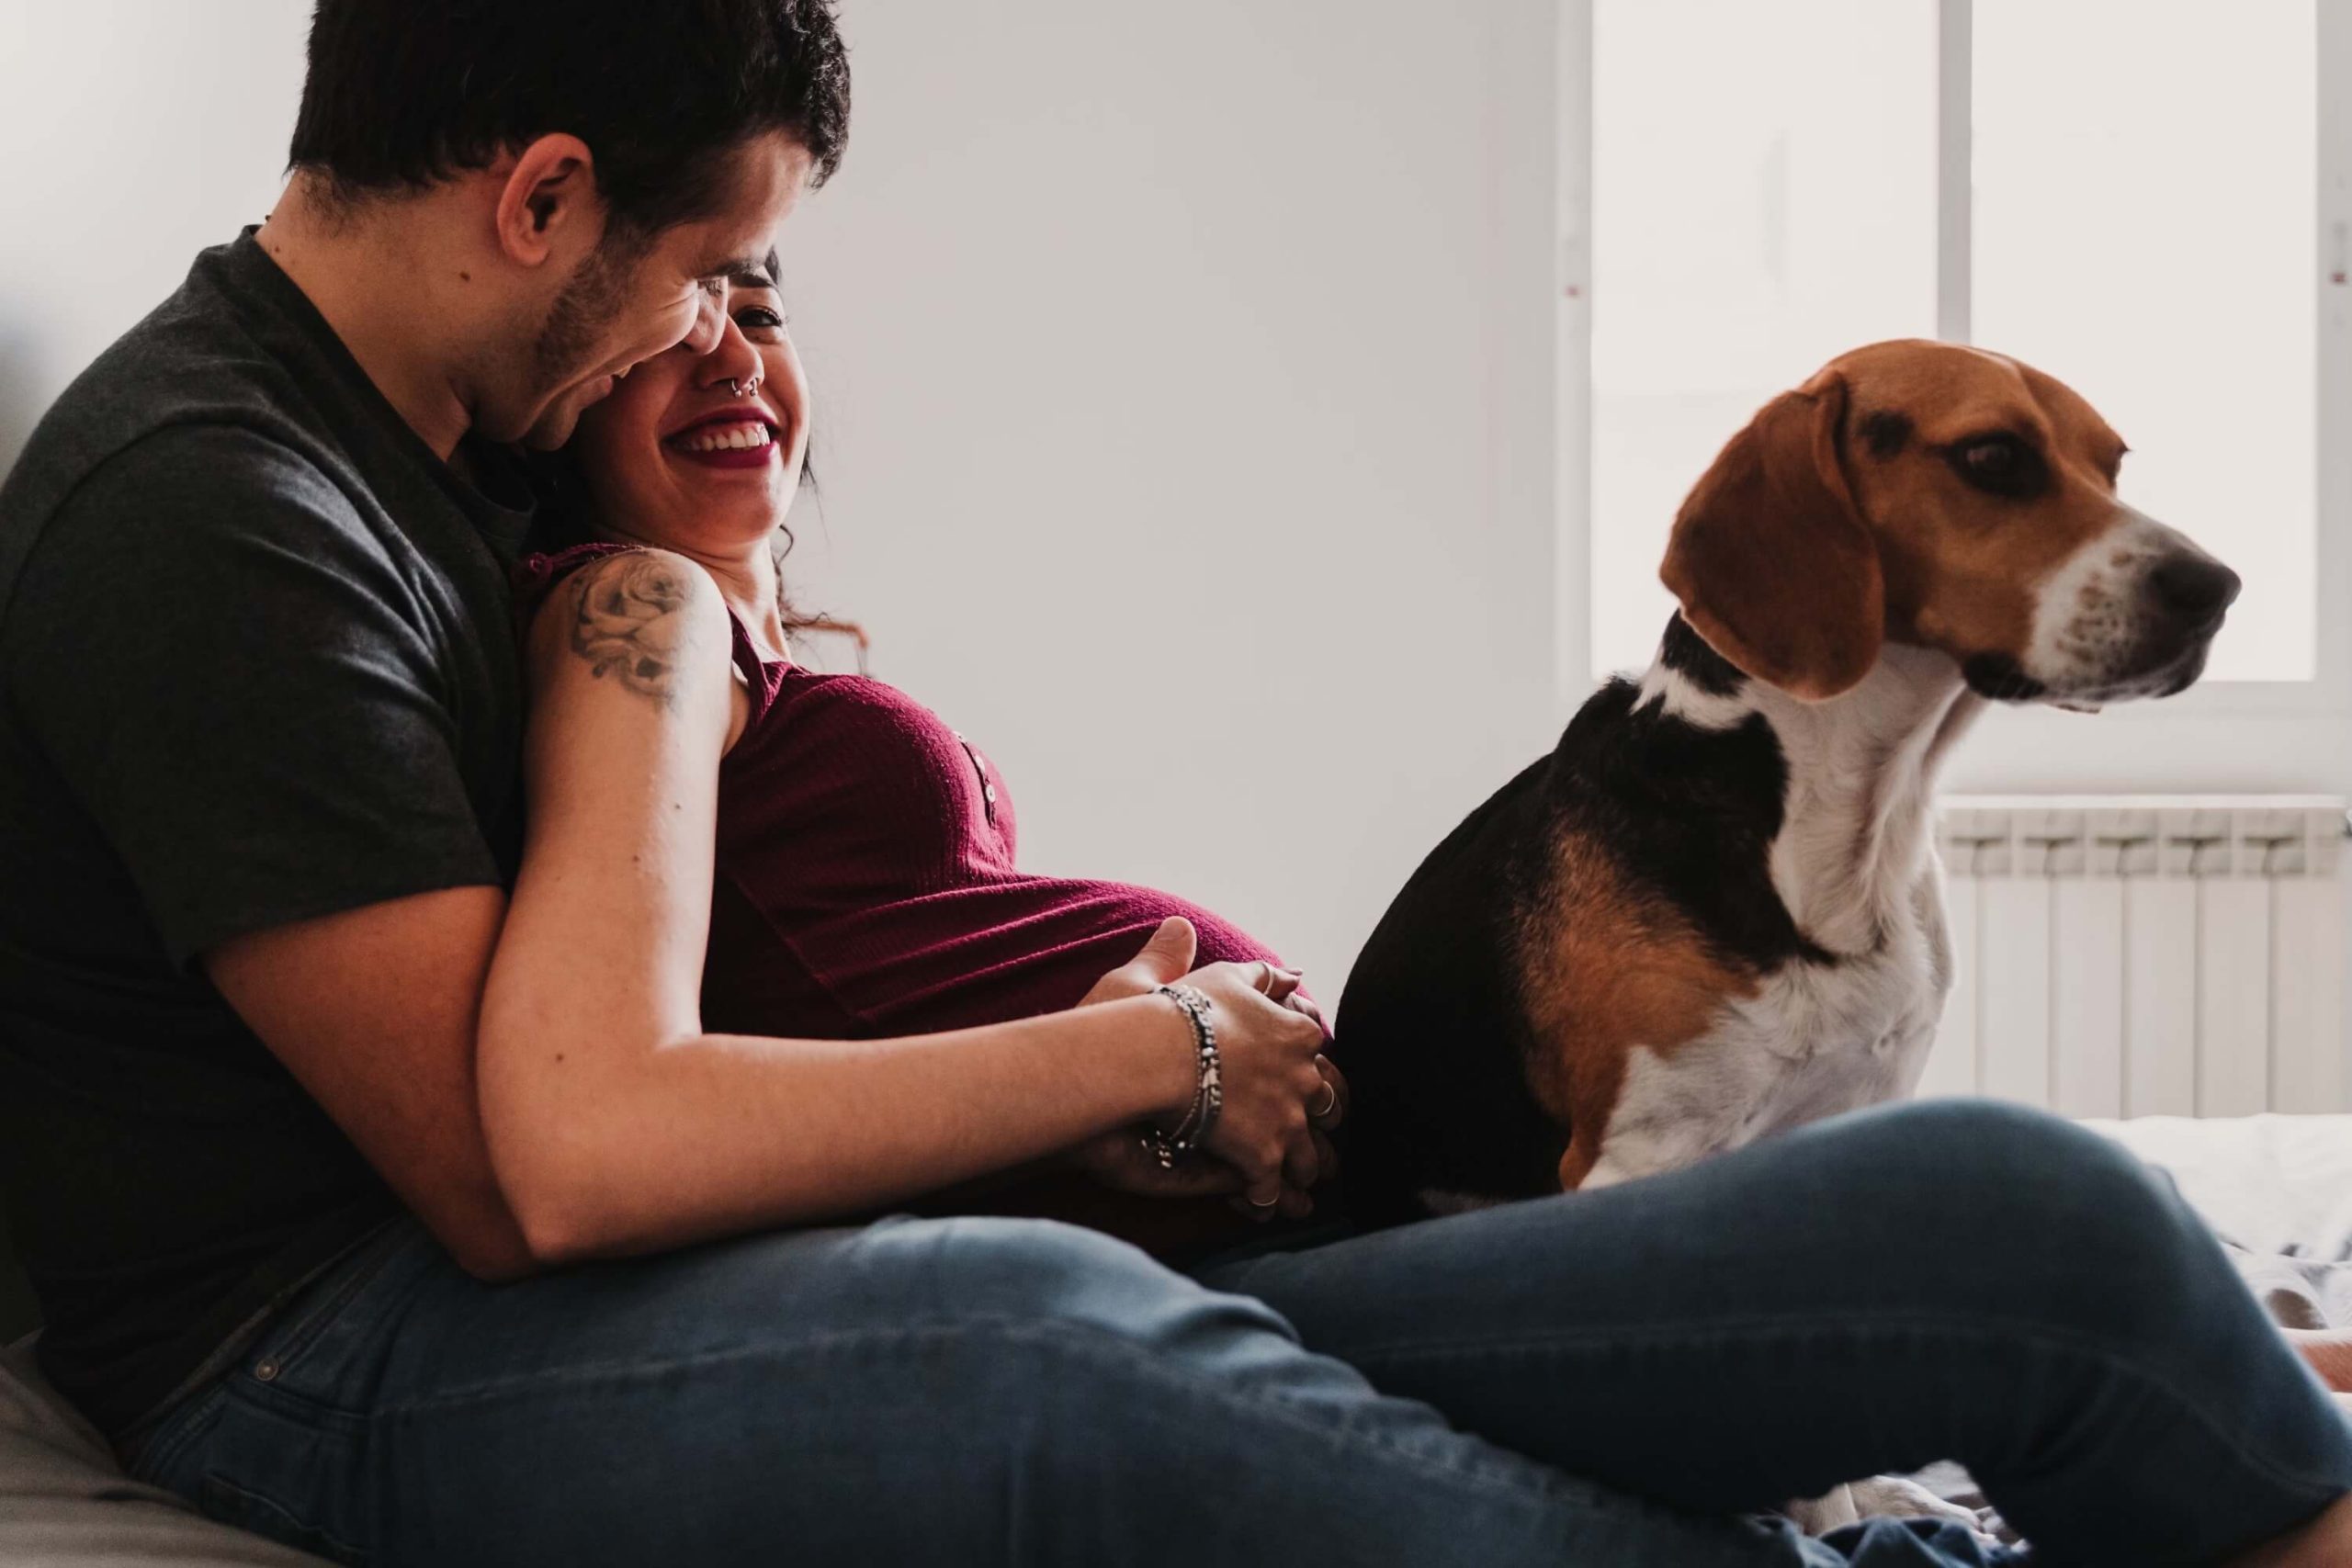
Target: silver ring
{"x": 1330, "y": 1102}
{"x": 745, "y": 389}
{"x": 1267, "y": 1204}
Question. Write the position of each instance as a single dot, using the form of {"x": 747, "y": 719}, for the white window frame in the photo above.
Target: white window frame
{"x": 2328, "y": 694}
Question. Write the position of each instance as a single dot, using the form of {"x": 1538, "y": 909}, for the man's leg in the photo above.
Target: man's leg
{"x": 1954, "y": 1280}
{"x": 969, "y": 1391}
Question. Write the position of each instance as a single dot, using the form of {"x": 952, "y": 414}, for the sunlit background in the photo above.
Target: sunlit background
{"x": 2143, "y": 224}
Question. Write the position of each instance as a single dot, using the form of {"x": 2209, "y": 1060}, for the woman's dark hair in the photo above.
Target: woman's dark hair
{"x": 402, "y": 93}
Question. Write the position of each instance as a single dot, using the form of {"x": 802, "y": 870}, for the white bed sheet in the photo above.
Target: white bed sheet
{"x": 2276, "y": 1190}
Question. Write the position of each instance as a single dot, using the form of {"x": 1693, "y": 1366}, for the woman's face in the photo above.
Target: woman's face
{"x": 678, "y": 457}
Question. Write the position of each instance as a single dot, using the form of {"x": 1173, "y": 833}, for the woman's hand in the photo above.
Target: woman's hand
{"x": 1120, "y": 1158}
{"x": 1274, "y": 1073}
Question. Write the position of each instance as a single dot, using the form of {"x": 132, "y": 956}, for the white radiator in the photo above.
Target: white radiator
{"x": 2137, "y": 955}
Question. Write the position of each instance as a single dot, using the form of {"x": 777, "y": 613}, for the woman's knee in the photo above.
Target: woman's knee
{"x": 2005, "y": 1161}
{"x": 2066, "y": 1224}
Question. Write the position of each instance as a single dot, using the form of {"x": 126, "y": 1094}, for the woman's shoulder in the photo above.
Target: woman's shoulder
{"x": 651, "y": 620}
{"x": 626, "y": 610}
{"x": 538, "y": 573}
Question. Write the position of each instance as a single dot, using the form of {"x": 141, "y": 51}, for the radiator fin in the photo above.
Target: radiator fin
{"x": 2141, "y": 955}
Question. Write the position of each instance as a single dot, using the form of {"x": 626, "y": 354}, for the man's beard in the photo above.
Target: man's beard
{"x": 590, "y": 298}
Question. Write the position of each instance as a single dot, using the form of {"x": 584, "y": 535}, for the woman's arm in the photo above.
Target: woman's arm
{"x": 615, "y": 1124}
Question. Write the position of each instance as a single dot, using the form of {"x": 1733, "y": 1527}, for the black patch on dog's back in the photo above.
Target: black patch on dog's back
{"x": 1688, "y": 814}
{"x": 1432, "y": 1031}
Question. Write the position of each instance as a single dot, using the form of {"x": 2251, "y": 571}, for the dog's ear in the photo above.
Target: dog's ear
{"x": 1772, "y": 563}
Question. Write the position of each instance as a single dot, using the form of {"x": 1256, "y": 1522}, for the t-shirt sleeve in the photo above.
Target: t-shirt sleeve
{"x": 236, "y": 678}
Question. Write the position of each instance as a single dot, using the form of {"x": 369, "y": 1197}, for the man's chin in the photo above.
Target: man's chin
{"x": 554, "y": 424}
{"x": 552, "y": 431}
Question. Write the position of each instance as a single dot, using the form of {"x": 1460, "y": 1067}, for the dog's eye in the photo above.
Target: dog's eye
{"x": 1999, "y": 463}
{"x": 1992, "y": 457}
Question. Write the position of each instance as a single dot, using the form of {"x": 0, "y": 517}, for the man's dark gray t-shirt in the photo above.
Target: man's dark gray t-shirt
{"x": 255, "y": 666}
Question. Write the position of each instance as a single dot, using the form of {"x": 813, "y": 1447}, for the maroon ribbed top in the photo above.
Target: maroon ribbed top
{"x": 866, "y": 883}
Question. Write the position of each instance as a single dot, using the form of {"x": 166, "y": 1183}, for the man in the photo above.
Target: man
{"x": 257, "y": 767}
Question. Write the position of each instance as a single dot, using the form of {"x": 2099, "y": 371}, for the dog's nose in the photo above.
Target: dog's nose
{"x": 2194, "y": 588}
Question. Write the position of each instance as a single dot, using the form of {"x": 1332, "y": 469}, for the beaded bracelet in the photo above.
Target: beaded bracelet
{"x": 1209, "y": 1092}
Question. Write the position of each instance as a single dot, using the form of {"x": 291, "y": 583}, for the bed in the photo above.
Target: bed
{"x": 2276, "y": 1190}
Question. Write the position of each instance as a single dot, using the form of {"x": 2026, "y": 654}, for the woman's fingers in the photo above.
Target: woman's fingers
{"x": 1269, "y": 1050}
{"x": 1329, "y": 1109}
{"x": 1259, "y": 1201}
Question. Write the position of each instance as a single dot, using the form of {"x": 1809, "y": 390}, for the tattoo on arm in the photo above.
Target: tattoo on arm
{"x": 626, "y": 623}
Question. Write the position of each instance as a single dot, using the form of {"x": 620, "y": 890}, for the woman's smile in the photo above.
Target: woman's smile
{"x": 730, "y": 438}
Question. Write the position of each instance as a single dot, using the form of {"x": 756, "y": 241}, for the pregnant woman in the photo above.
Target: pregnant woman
{"x": 771, "y": 979}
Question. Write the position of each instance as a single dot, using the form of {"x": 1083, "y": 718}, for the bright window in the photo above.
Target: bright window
{"x": 2146, "y": 207}
{"x": 2142, "y": 222}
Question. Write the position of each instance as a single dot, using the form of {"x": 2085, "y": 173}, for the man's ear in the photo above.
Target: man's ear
{"x": 1774, "y": 565}
{"x": 550, "y": 202}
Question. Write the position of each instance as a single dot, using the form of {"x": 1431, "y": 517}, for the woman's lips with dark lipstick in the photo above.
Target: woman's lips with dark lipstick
{"x": 730, "y": 439}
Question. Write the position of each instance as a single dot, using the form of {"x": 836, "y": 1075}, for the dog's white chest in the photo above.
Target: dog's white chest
{"x": 1815, "y": 1040}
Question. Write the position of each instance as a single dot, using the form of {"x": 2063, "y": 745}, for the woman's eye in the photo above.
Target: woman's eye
{"x": 758, "y": 319}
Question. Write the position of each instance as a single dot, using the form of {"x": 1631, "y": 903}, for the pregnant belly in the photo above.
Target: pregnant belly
{"x": 955, "y": 959}
{"x": 959, "y": 959}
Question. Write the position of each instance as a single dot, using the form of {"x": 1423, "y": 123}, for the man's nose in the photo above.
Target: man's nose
{"x": 710, "y": 320}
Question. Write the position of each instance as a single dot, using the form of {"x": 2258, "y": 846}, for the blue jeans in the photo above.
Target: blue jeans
{"x": 1605, "y": 1378}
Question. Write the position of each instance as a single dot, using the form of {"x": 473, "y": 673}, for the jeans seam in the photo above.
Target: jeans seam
{"x": 158, "y": 1456}
{"x": 2006, "y": 1336}
{"x": 1060, "y": 1338}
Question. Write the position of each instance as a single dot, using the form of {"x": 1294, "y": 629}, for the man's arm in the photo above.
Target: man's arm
{"x": 228, "y": 668}
{"x": 375, "y": 1011}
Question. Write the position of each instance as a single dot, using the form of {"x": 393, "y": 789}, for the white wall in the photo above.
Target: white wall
{"x": 1185, "y": 425}
{"x": 132, "y": 134}
{"x": 1184, "y": 378}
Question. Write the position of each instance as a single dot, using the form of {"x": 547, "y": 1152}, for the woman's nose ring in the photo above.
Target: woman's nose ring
{"x": 745, "y": 389}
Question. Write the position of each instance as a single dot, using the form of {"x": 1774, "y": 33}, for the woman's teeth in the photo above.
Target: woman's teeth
{"x": 726, "y": 437}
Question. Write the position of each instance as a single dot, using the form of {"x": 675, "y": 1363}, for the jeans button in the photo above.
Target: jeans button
{"x": 265, "y": 1369}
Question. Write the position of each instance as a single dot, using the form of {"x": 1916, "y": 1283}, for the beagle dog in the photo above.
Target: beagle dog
{"x": 1715, "y": 911}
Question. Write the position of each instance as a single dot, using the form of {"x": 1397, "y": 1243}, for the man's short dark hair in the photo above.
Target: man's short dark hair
{"x": 404, "y": 93}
